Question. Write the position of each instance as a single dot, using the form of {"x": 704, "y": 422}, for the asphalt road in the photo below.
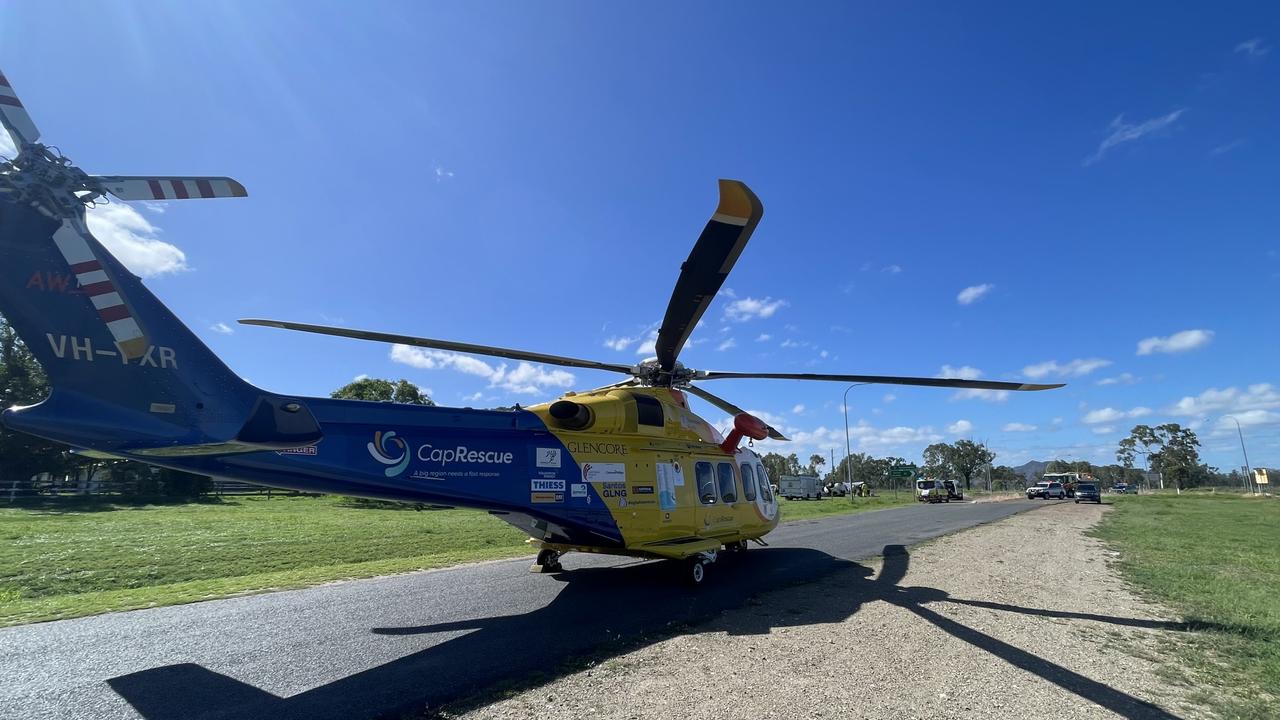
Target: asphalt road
{"x": 369, "y": 648}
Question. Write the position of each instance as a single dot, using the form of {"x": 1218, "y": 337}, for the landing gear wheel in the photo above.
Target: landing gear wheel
{"x": 548, "y": 562}
{"x": 695, "y": 572}
{"x": 737, "y": 547}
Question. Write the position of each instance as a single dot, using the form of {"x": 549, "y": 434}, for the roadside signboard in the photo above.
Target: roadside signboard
{"x": 902, "y": 471}
{"x": 1260, "y": 476}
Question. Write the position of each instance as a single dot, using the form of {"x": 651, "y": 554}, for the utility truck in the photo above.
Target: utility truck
{"x": 799, "y": 487}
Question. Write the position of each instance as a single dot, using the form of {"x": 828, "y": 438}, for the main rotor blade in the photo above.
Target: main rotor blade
{"x": 730, "y": 408}
{"x": 128, "y": 187}
{"x": 441, "y": 345}
{"x": 701, "y": 276}
{"x": 884, "y": 380}
{"x": 15, "y": 118}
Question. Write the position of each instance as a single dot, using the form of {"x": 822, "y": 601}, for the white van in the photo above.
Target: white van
{"x": 930, "y": 491}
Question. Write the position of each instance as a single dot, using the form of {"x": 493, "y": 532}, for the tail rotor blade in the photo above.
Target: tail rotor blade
{"x": 128, "y": 187}
{"x": 14, "y": 116}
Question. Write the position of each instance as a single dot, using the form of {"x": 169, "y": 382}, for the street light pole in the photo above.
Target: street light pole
{"x": 1248, "y": 472}
{"x": 848, "y": 466}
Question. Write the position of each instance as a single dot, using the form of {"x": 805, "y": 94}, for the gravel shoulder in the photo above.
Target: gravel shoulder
{"x": 993, "y": 622}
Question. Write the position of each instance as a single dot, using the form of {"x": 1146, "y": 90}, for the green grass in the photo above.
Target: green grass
{"x": 805, "y": 509}
{"x": 57, "y": 563}
{"x": 69, "y": 559}
{"x": 1216, "y": 559}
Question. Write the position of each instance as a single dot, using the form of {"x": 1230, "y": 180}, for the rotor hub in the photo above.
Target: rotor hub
{"x": 650, "y": 373}
{"x": 46, "y": 180}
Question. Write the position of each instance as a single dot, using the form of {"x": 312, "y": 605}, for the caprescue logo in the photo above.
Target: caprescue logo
{"x": 391, "y": 451}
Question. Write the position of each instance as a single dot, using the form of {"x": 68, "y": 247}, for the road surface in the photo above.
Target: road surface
{"x": 363, "y": 649}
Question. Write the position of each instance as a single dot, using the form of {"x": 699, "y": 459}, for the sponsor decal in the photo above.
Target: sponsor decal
{"x": 546, "y": 497}
{"x": 391, "y": 451}
{"x": 70, "y": 347}
{"x": 548, "y": 457}
{"x": 463, "y": 454}
{"x": 636, "y": 501}
{"x": 164, "y": 408}
{"x": 547, "y": 485}
{"x": 308, "y": 450}
{"x": 586, "y": 447}
{"x": 604, "y": 472}
{"x": 642, "y": 489}
{"x": 578, "y": 490}
{"x": 613, "y": 489}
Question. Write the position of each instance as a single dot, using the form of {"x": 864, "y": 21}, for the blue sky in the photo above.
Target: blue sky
{"x": 1098, "y": 183}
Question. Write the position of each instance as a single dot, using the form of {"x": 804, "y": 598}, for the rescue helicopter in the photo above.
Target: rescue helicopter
{"x": 626, "y": 469}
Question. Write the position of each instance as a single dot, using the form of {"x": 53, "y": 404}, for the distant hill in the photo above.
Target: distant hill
{"x": 1029, "y": 470}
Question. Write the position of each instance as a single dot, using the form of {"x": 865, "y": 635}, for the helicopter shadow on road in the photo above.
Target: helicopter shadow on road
{"x": 601, "y": 613}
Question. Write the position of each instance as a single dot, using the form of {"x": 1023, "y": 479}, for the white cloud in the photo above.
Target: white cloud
{"x": 764, "y": 337}
{"x": 1121, "y": 379}
{"x": 1225, "y": 148}
{"x": 7, "y": 147}
{"x": 648, "y": 346}
{"x": 964, "y": 372}
{"x": 221, "y": 327}
{"x": 619, "y": 343}
{"x": 797, "y": 410}
{"x": 1253, "y": 48}
{"x": 974, "y": 293}
{"x": 525, "y": 378}
{"x": 891, "y": 269}
{"x": 789, "y": 343}
{"x": 361, "y": 376}
{"x": 1018, "y": 427}
{"x": 1262, "y": 396}
{"x": 441, "y": 173}
{"x": 133, "y": 240}
{"x": 889, "y": 397}
{"x": 1123, "y": 132}
{"x": 1104, "y": 430}
{"x": 1075, "y": 368}
{"x": 727, "y": 345}
{"x": 1175, "y": 343}
{"x": 1248, "y": 419}
{"x": 1109, "y": 414}
{"x": 748, "y": 308}
{"x": 960, "y": 427}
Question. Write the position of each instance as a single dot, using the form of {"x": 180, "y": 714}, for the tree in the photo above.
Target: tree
{"x": 815, "y": 463}
{"x": 379, "y": 390}
{"x": 1171, "y": 450}
{"x": 962, "y": 460}
{"x": 776, "y": 465}
{"x": 23, "y": 382}
{"x": 1005, "y": 478}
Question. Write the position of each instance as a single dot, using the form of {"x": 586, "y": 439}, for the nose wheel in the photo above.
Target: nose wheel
{"x": 548, "y": 561}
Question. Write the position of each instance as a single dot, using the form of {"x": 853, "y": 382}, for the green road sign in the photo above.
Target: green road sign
{"x": 902, "y": 471}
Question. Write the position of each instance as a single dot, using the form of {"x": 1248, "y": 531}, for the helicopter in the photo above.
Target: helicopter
{"x": 626, "y": 469}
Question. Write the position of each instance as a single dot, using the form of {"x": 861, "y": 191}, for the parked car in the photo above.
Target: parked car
{"x": 1046, "y": 491}
{"x": 802, "y": 487}
{"x": 1088, "y": 491}
{"x": 1121, "y": 488}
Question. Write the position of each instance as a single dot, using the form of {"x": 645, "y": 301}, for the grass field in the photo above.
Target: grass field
{"x": 67, "y": 560}
{"x": 1216, "y": 559}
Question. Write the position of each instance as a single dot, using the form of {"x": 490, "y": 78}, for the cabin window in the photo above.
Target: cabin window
{"x": 766, "y": 491}
{"x": 706, "y": 478}
{"x": 728, "y": 488}
{"x": 648, "y": 411}
{"x": 748, "y": 483}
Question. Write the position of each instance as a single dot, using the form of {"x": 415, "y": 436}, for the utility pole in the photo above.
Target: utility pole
{"x": 1248, "y": 472}
{"x": 848, "y": 466}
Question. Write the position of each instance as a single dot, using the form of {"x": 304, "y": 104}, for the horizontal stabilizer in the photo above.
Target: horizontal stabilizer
{"x": 128, "y": 187}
